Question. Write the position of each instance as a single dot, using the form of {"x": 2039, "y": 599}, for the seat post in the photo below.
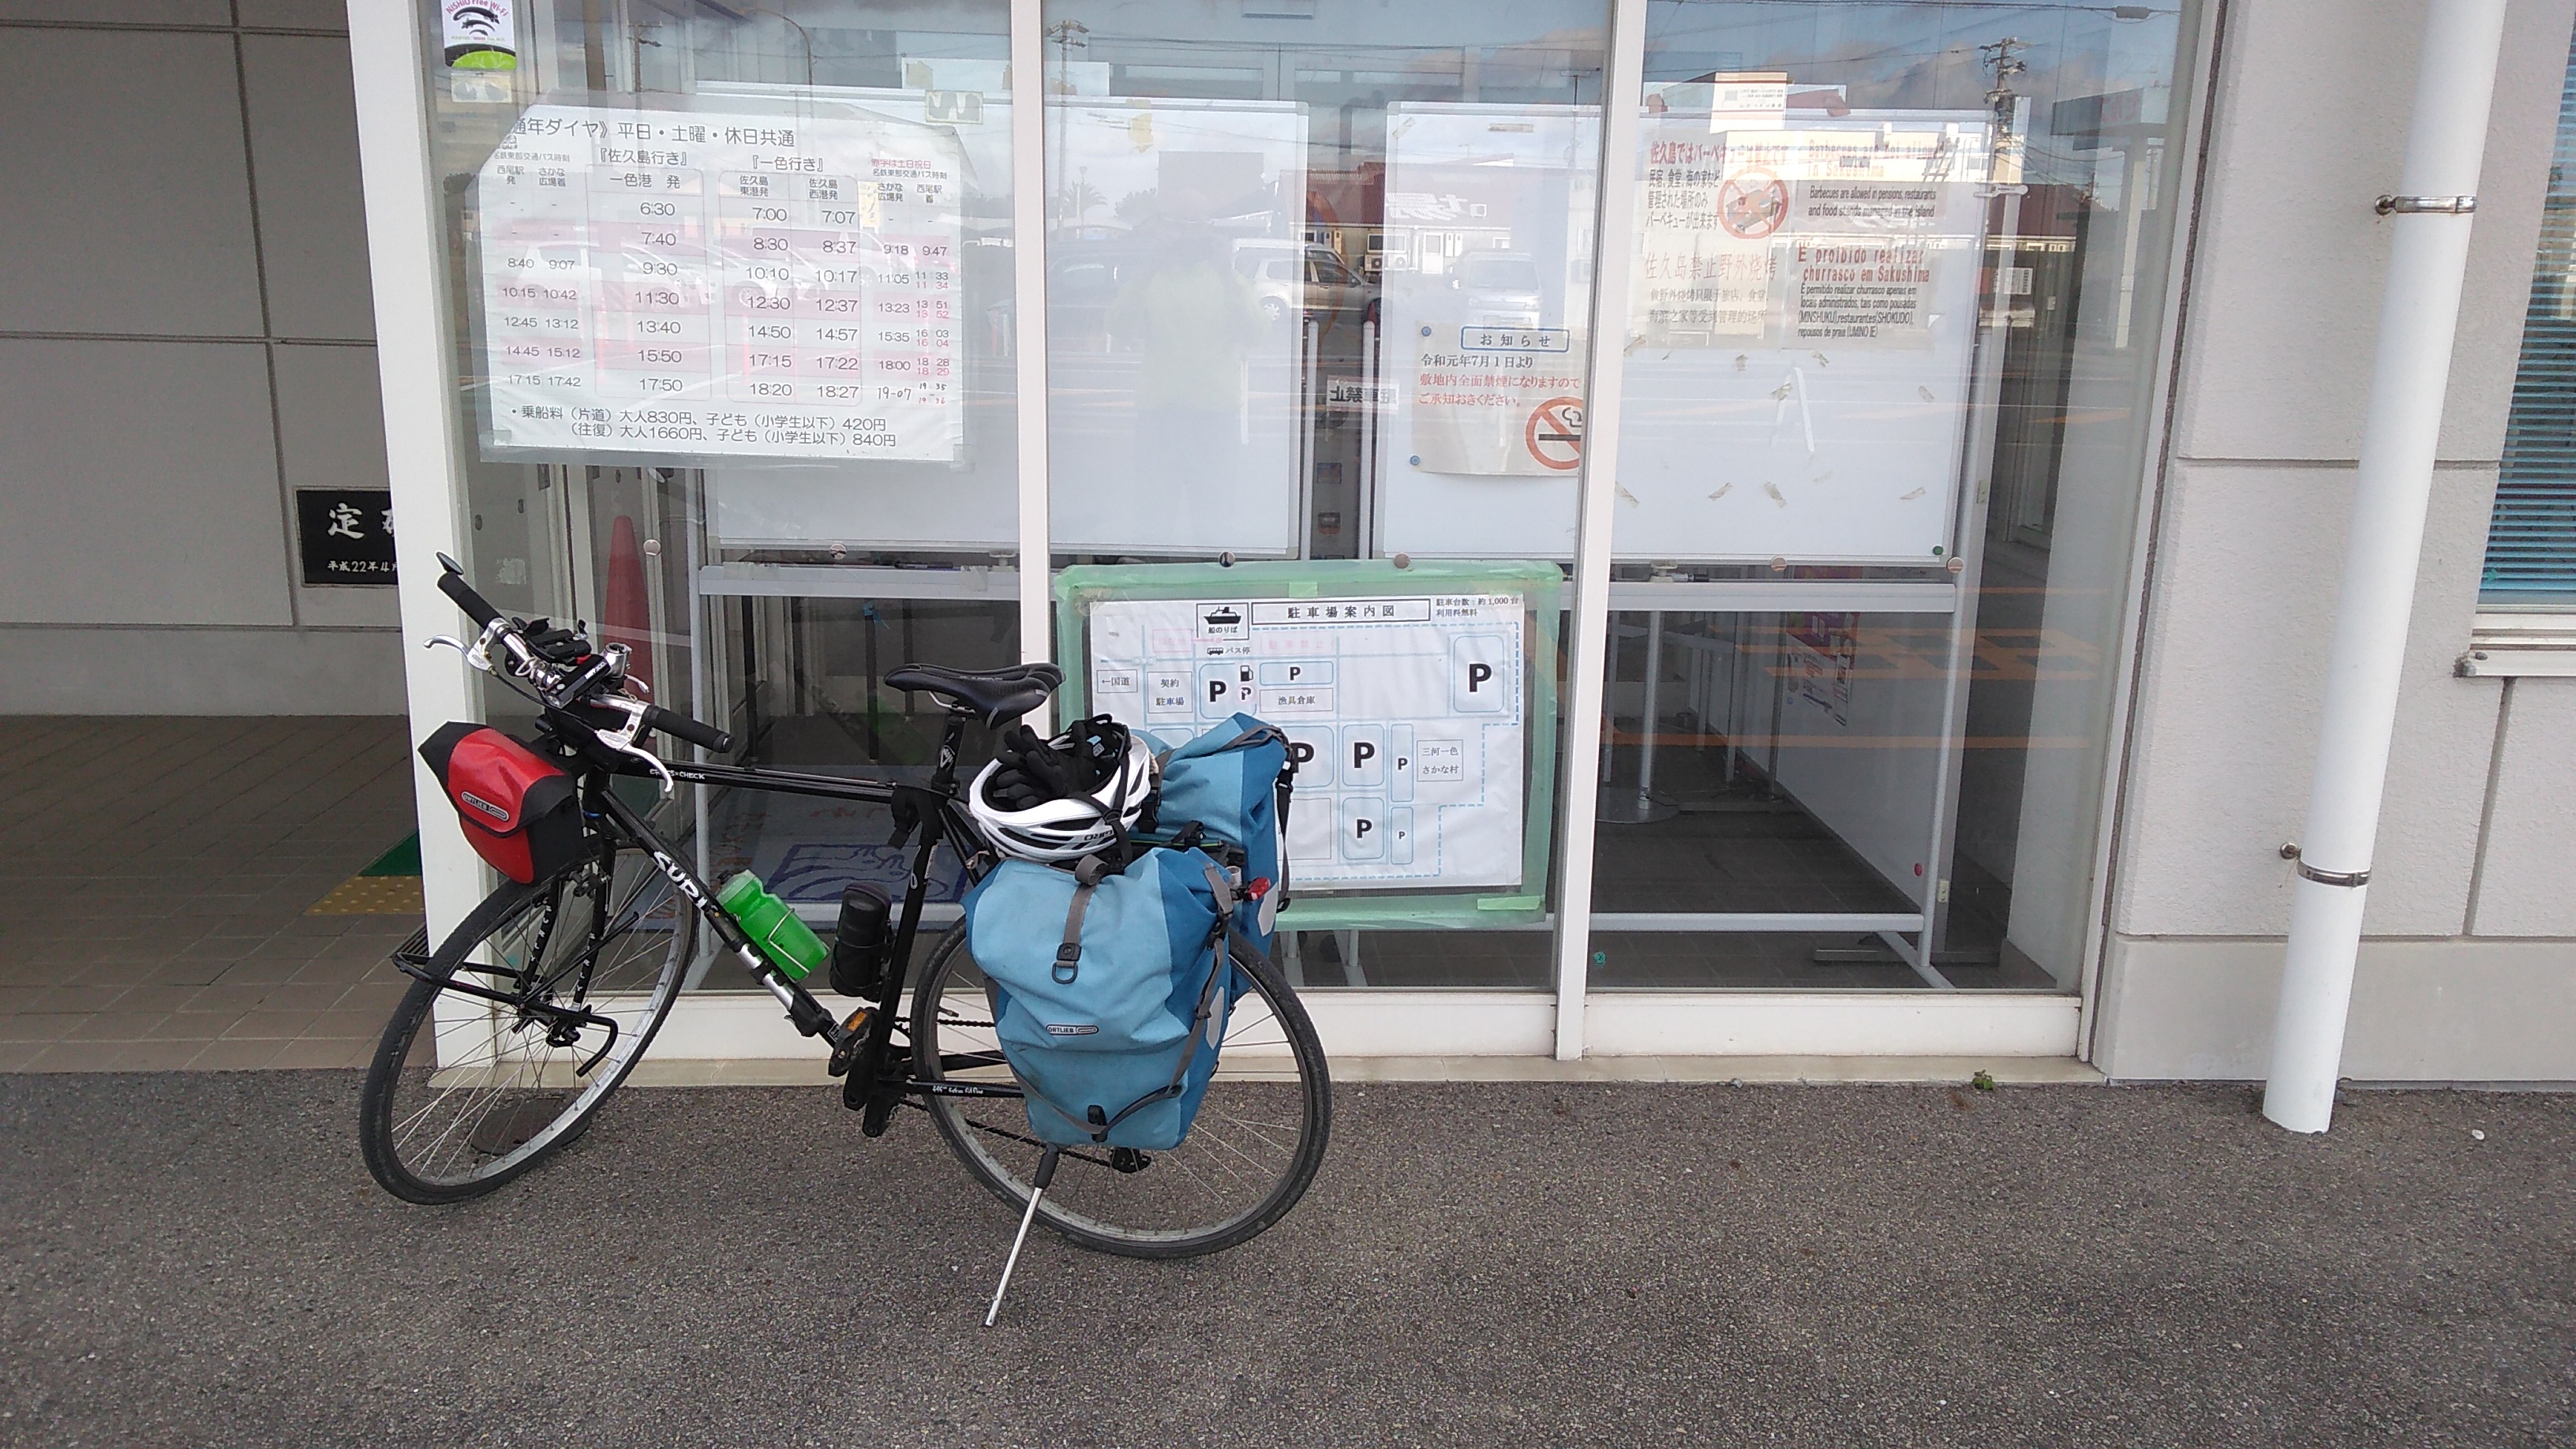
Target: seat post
{"x": 945, "y": 777}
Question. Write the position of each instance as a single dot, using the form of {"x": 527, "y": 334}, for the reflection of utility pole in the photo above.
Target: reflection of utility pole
{"x": 1999, "y": 58}
{"x": 802, "y": 34}
{"x": 1069, "y": 36}
{"x": 2005, "y": 175}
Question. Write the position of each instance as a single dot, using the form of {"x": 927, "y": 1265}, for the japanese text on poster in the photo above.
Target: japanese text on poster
{"x": 715, "y": 284}
{"x": 1809, "y": 233}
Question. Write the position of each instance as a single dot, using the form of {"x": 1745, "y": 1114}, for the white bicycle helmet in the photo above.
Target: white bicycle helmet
{"x": 1099, "y": 774}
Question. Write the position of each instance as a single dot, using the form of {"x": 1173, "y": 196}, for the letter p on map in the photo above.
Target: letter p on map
{"x": 1483, "y": 675}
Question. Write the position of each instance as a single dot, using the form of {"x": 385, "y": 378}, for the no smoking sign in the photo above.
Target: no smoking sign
{"x": 1554, "y": 433}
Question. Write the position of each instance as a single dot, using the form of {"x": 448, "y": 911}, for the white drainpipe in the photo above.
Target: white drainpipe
{"x": 2428, "y": 256}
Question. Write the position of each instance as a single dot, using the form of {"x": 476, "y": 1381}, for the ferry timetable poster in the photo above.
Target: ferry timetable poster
{"x": 708, "y": 284}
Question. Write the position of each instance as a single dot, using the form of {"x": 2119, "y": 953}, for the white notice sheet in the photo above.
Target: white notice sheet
{"x": 705, "y": 284}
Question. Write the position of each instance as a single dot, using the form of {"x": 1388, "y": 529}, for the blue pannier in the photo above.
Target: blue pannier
{"x": 1234, "y": 781}
{"x": 1110, "y": 990}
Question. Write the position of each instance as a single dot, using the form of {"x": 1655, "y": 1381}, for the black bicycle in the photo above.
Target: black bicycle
{"x": 539, "y": 1005}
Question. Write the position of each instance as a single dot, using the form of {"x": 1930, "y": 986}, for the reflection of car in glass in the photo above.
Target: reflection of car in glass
{"x": 1083, "y": 280}
{"x": 1499, "y": 289}
{"x": 1310, "y": 278}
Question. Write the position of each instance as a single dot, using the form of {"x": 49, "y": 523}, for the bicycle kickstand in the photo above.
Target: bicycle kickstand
{"x": 1037, "y": 1189}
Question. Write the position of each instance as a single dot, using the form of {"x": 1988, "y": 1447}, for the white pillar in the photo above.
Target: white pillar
{"x": 2428, "y": 257}
{"x": 405, "y": 253}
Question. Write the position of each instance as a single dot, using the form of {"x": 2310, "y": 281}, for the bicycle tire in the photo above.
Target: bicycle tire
{"x": 1092, "y": 1202}
{"x": 527, "y": 1098}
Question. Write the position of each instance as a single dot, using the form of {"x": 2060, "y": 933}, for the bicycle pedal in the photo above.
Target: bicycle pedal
{"x": 848, "y": 1051}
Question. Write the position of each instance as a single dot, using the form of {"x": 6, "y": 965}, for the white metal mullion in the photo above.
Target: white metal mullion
{"x": 1968, "y": 546}
{"x": 1028, "y": 312}
{"x": 1613, "y": 254}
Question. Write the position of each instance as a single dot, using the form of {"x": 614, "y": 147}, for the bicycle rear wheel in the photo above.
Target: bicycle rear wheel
{"x": 1253, "y": 1149}
{"x": 466, "y": 1093}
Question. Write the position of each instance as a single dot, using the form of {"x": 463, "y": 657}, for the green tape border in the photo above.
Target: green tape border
{"x": 1541, "y": 587}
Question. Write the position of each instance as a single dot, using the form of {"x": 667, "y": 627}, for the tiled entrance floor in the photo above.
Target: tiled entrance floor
{"x": 154, "y": 878}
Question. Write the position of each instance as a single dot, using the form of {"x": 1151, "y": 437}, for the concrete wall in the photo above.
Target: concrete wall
{"x": 186, "y": 326}
{"x": 2311, "y": 108}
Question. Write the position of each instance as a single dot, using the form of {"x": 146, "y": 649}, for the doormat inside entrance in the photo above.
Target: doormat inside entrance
{"x": 403, "y": 859}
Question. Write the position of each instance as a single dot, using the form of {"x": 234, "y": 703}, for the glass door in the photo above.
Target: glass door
{"x": 1891, "y": 385}
{"x": 1319, "y": 283}
{"x": 734, "y": 317}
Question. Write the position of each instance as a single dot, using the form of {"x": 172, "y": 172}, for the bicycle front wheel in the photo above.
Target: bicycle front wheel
{"x": 466, "y": 1093}
{"x": 1249, "y": 1156}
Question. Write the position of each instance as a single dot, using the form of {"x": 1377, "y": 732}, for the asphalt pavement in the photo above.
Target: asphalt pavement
{"x": 201, "y": 1259}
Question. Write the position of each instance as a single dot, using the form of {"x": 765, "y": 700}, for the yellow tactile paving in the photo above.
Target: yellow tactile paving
{"x": 365, "y": 895}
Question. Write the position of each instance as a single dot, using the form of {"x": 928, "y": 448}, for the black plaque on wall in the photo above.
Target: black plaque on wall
{"x": 346, "y": 535}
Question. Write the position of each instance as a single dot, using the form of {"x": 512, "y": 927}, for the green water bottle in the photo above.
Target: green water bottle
{"x": 789, "y": 943}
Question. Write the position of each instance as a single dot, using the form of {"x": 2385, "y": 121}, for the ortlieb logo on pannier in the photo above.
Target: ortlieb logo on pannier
{"x": 519, "y": 811}
{"x": 1109, "y": 989}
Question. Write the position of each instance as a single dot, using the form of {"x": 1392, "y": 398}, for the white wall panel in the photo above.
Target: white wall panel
{"x": 2527, "y": 886}
{"x": 128, "y": 201}
{"x": 2459, "y": 1011}
{"x": 122, "y": 12}
{"x": 200, "y": 671}
{"x": 141, "y": 484}
{"x": 312, "y": 216}
{"x": 2312, "y": 109}
{"x": 331, "y": 434}
{"x": 2234, "y": 676}
{"x": 297, "y": 14}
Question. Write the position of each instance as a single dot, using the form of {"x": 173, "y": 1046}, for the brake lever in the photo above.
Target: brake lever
{"x": 452, "y": 642}
{"x": 623, "y": 741}
{"x": 479, "y": 653}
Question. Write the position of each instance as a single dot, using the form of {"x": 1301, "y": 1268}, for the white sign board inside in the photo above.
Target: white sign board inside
{"x": 1488, "y": 243}
{"x": 1804, "y": 316}
{"x": 1406, "y": 715}
{"x": 693, "y": 283}
{"x": 1175, "y": 423}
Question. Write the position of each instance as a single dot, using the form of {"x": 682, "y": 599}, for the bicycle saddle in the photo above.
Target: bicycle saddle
{"x": 995, "y": 695}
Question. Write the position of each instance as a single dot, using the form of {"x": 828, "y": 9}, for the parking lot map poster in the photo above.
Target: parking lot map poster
{"x": 1419, "y": 704}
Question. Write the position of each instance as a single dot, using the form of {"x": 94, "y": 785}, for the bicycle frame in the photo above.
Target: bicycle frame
{"x": 863, "y": 1056}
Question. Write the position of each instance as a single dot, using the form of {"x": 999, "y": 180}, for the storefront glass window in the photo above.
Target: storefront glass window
{"x": 733, "y": 314}
{"x": 735, "y": 324}
{"x": 1898, "y": 296}
{"x": 1312, "y": 271}
{"x": 2531, "y": 536}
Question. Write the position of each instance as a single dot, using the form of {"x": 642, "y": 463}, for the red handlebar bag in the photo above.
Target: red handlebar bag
{"x": 520, "y": 812}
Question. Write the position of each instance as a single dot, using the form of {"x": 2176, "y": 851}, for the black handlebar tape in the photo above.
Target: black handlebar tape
{"x": 455, "y": 587}
{"x": 681, "y": 727}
